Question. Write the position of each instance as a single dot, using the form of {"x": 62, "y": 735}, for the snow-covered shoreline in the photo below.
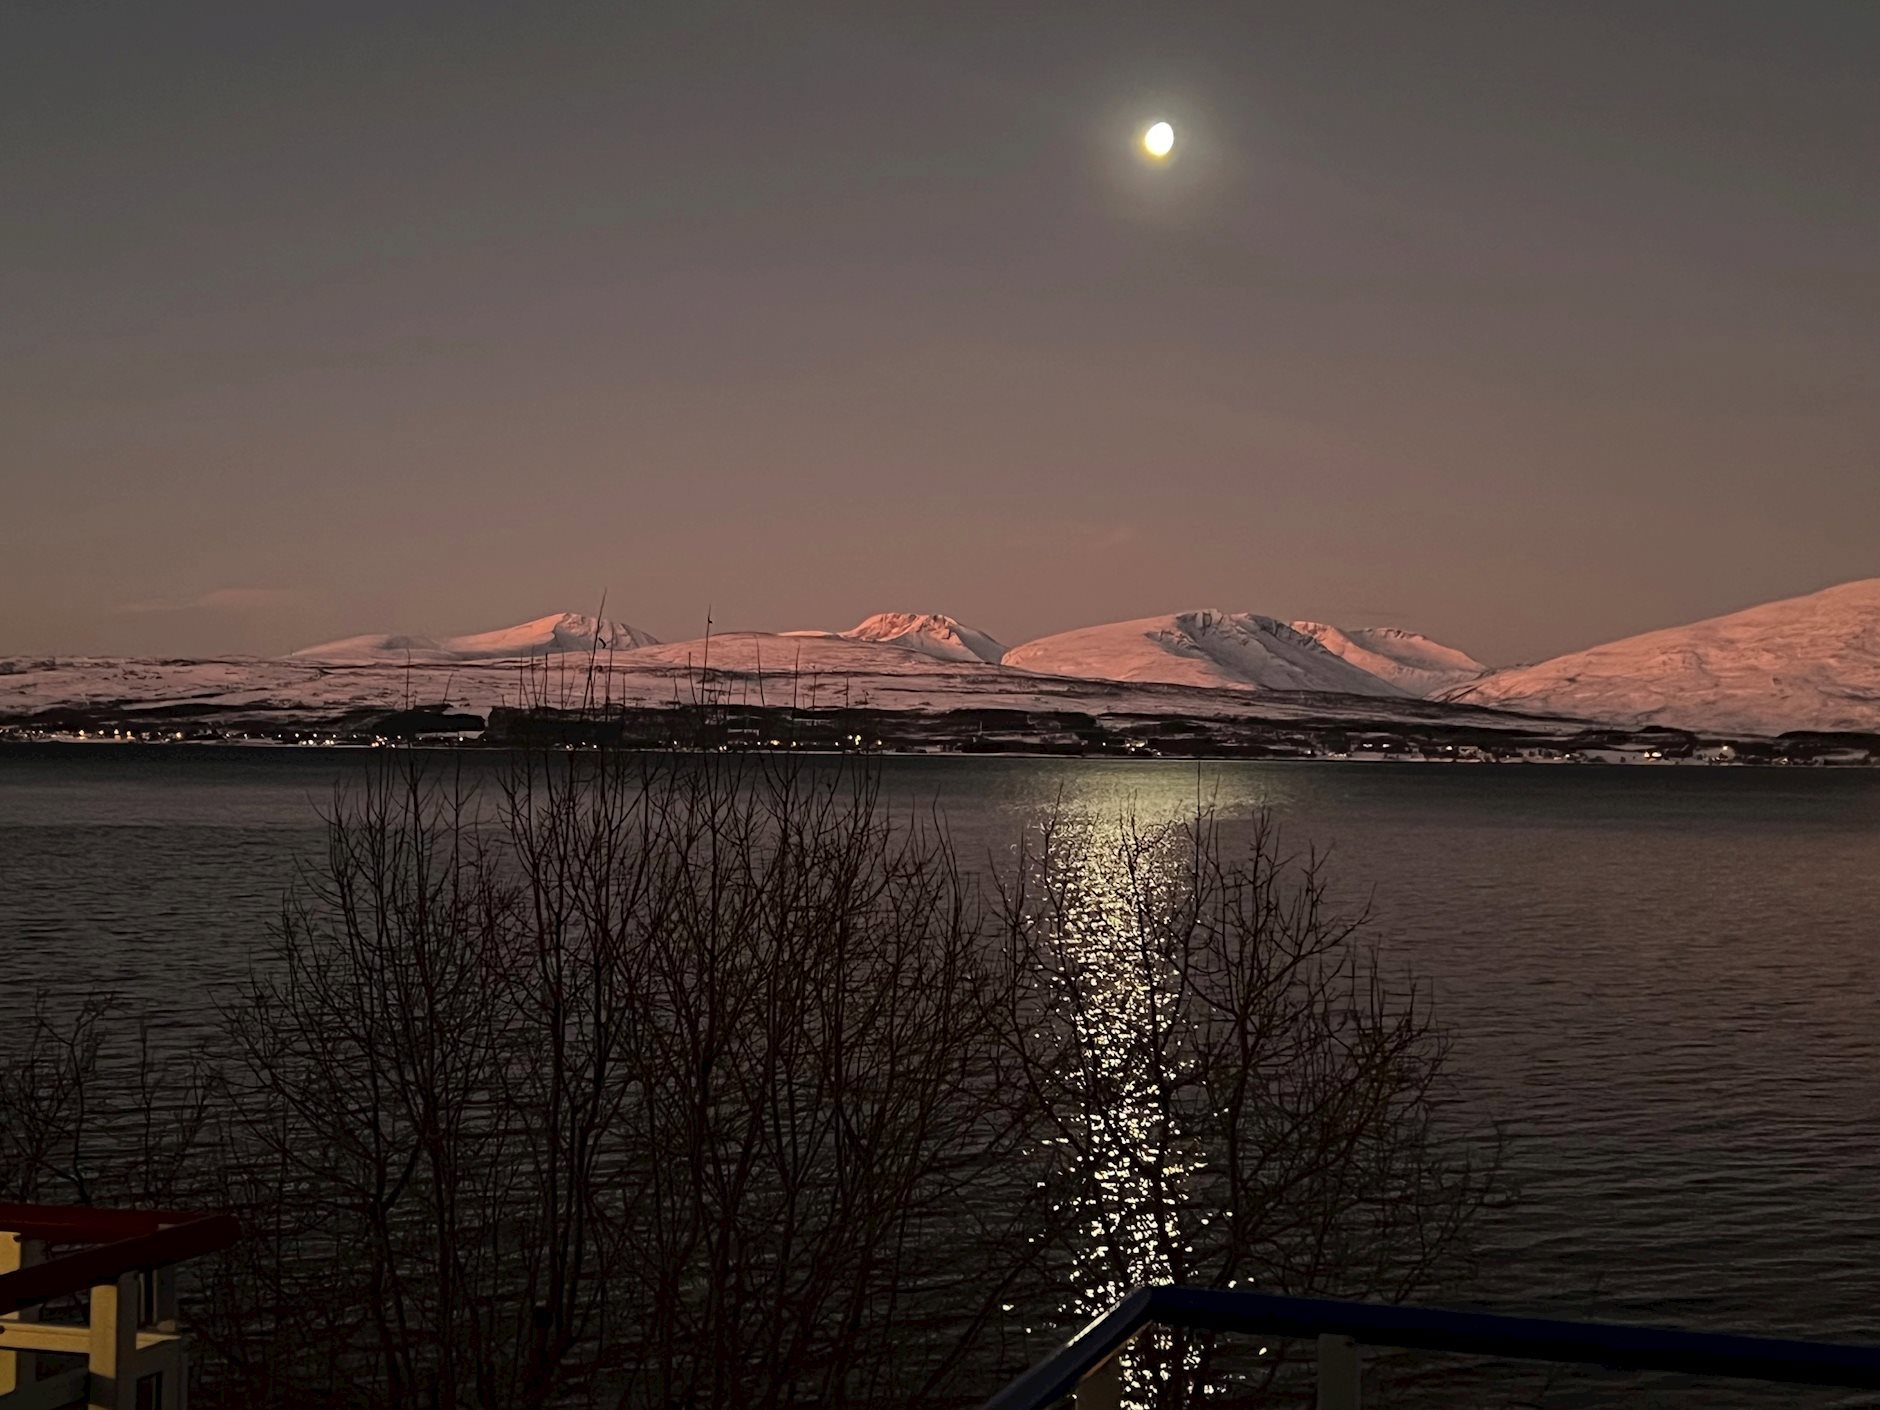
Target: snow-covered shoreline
{"x": 831, "y": 693}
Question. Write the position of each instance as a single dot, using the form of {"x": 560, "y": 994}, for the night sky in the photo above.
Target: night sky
{"x": 1525, "y": 324}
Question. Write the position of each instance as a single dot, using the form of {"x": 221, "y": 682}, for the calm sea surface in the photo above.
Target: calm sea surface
{"x": 1665, "y": 982}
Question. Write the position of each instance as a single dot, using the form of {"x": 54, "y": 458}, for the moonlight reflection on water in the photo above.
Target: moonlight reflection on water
{"x": 1135, "y": 1151}
{"x": 1117, "y": 885}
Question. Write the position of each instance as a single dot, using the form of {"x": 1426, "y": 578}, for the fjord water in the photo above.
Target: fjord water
{"x": 1664, "y": 982}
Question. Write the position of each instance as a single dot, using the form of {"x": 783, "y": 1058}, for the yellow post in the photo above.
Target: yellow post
{"x": 19, "y": 1368}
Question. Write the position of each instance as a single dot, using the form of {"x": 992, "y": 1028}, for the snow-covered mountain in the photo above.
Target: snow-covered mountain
{"x": 1804, "y": 663}
{"x": 1240, "y": 650}
{"x": 545, "y": 636}
{"x": 1408, "y": 660}
{"x": 812, "y": 673}
{"x": 929, "y": 633}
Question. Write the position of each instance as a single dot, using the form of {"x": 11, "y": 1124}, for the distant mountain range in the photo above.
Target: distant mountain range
{"x": 1805, "y": 663}
{"x": 544, "y": 636}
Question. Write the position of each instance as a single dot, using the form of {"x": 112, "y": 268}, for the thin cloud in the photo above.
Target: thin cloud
{"x": 225, "y": 599}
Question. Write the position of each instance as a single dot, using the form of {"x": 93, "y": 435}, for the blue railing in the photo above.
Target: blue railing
{"x": 1088, "y": 1366}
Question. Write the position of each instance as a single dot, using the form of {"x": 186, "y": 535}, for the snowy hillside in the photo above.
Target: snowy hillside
{"x": 1804, "y": 663}
{"x": 814, "y": 673}
{"x": 928, "y": 633}
{"x": 1408, "y": 660}
{"x": 545, "y": 636}
{"x": 1238, "y": 650}
{"x": 803, "y": 662}
{"x": 1807, "y": 663}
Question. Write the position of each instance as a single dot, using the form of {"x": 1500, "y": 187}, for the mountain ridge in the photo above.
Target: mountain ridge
{"x": 931, "y": 634}
{"x": 1810, "y": 662}
{"x": 1409, "y": 660}
{"x": 1204, "y": 647}
{"x": 557, "y": 633}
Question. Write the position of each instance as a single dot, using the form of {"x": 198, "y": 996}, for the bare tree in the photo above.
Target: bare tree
{"x": 658, "y": 1082}
{"x": 47, "y": 1087}
{"x": 88, "y": 1114}
{"x": 1237, "y": 1093}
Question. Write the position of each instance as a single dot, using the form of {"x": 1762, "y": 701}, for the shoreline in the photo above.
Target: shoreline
{"x": 1610, "y": 758}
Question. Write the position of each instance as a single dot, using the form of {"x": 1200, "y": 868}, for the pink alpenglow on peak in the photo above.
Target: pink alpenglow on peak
{"x": 545, "y": 636}
{"x": 930, "y": 634}
{"x": 1408, "y": 660}
{"x": 1803, "y": 663}
{"x": 1237, "y": 650}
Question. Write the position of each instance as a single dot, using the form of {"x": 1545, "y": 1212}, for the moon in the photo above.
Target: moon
{"x": 1159, "y": 140}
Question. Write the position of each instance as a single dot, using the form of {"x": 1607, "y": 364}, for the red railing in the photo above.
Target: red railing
{"x": 121, "y": 1241}
{"x": 122, "y": 1260}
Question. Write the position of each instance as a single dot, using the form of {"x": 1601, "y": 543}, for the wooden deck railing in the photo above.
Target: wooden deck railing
{"x": 123, "y": 1263}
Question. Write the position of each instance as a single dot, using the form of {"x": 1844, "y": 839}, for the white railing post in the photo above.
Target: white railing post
{"x": 19, "y": 1368}
{"x": 1341, "y": 1374}
{"x": 111, "y": 1348}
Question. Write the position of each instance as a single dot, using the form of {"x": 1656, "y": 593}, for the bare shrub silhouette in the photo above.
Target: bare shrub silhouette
{"x": 654, "y": 1083}
{"x": 88, "y": 1115}
{"x": 1239, "y": 1096}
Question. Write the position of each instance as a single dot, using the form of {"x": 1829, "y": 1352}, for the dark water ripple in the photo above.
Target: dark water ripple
{"x": 1665, "y": 982}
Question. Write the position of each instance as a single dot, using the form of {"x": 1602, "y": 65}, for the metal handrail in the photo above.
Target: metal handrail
{"x": 1615, "y": 1345}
